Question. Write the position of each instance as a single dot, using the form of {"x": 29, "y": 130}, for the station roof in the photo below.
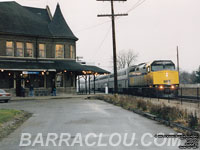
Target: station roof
{"x": 51, "y": 65}
{"x": 95, "y": 69}
{"x": 58, "y": 26}
{"x": 20, "y": 20}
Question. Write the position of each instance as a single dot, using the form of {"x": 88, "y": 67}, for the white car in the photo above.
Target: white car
{"x": 4, "y": 96}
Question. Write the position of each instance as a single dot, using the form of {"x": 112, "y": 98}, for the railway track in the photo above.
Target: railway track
{"x": 190, "y": 99}
{"x": 179, "y": 98}
{"x": 185, "y": 94}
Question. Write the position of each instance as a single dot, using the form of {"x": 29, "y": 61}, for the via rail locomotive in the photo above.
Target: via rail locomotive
{"x": 157, "y": 78}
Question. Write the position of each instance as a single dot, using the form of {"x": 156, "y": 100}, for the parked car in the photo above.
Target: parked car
{"x": 4, "y": 96}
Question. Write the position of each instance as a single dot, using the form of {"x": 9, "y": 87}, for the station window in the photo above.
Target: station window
{"x": 9, "y": 48}
{"x": 42, "y": 50}
{"x": 20, "y": 49}
{"x": 29, "y": 49}
{"x": 59, "y": 53}
{"x": 132, "y": 70}
{"x": 72, "y": 51}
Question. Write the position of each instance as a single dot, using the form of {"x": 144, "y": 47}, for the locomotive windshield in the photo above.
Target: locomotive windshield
{"x": 162, "y": 65}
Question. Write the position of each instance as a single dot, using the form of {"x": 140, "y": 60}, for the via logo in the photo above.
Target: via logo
{"x": 166, "y": 74}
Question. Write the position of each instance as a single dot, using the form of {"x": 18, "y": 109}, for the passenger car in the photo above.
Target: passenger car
{"x": 4, "y": 96}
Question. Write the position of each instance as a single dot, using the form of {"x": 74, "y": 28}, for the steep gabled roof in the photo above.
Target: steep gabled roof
{"x": 20, "y": 20}
{"x": 58, "y": 26}
{"x": 15, "y": 19}
{"x": 42, "y": 13}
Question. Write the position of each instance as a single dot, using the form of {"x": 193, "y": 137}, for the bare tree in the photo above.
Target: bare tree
{"x": 126, "y": 58}
{"x": 187, "y": 77}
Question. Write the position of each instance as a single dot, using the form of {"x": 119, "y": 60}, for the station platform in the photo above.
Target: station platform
{"x": 59, "y": 96}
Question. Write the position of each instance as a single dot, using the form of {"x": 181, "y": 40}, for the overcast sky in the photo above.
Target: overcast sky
{"x": 153, "y": 29}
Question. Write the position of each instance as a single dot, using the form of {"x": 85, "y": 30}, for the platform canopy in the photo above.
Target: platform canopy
{"x": 49, "y": 65}
{"x": 94, "y": 70}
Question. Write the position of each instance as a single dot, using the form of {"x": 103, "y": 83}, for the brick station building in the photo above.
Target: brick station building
{"x": 36, "y": 49}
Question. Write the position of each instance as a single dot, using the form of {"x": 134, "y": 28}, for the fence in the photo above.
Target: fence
{"x": 181, "y": 93}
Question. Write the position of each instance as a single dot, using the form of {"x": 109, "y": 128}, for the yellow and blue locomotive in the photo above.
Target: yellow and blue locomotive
{"x": 157, "y": 78}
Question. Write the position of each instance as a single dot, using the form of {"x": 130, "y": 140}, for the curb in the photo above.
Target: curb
{"x": 14, "y": 124}
{"x": 165, "y": 122}
{"x": 48, "y": 97}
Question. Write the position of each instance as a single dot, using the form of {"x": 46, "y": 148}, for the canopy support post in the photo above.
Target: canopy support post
{"x": 94, "y": 83}
{"x": 86, "y": 84}
{"x": 89, "y": 84}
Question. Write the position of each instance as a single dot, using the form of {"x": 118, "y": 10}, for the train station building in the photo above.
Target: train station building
{"x": 39, "y": 50}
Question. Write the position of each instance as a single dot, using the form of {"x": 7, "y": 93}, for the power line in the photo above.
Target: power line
{"x": 139, "y": 2}
{"x": 91, "y": 27}
{"x": 104, "y": 38}
{"x": 102, "y": 42}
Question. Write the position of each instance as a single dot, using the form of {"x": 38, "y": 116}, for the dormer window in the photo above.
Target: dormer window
{"x": 59, "y": 52}
{"x": 9, "y": 48}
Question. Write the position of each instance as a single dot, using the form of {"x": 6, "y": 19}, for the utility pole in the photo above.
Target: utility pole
{"x": 113, "y": 15}
{"x": 178, "y": 67}
{"x": 178, "y": 60}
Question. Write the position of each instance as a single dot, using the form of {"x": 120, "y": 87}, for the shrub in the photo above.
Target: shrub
{"x": 142, "y": 105}
{"x": 193, "y": 121}
{"x": 167, "y": 113}
{"x": 155, "y": 109}
{"x": 162, "y": 111}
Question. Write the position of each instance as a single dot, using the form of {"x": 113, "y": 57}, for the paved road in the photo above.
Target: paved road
{"x": 75, "y": 116}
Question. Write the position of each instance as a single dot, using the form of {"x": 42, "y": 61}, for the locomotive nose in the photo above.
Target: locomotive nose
{"x": 166, "y": 78}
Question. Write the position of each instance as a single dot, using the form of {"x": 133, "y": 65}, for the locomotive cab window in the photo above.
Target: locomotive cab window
{"x": 169, "y": 67}
{"x": 162, "y": 65}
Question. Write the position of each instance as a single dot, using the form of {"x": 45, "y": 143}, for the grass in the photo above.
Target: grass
{"x": 8, "y": 114}
{"x": 10, "y": 120}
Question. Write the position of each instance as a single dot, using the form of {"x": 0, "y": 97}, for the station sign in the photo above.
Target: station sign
{"x": 31, "y": 72}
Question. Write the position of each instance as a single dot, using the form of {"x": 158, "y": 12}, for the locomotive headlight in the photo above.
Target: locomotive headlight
{"x": 161, "y": 87}
{"x": 172, "y": 87}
